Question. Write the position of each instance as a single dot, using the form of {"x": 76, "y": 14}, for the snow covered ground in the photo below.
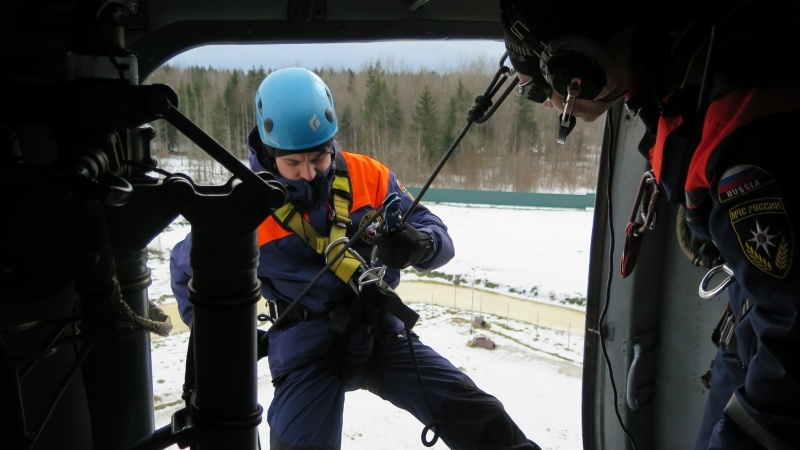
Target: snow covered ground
{"x": 534, "y": 254}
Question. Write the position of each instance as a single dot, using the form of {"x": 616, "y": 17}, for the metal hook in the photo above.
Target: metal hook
{"x": 720, "y": 288}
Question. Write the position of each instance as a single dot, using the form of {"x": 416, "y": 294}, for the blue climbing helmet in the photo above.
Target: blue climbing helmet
{"x": 294, "y": 110}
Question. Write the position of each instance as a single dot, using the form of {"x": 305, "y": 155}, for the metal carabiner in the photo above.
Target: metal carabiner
{"x": 371, "y": 276}
{"x": 706, "y": 293}
{"x": 368, "y": 275}
{"x": 328, "y": 249}
{"x": 644, "y": 213}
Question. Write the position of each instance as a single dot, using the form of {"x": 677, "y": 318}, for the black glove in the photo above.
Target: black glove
{"x": 403, "y": 248}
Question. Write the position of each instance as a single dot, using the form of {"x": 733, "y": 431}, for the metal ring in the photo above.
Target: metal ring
{"x": 710, "y": 293}
{"x": 344, "y": 239}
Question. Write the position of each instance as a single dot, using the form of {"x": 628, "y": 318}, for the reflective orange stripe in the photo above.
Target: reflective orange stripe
{"x": 370, "y": 180}
{"x": 666, "y": 125}
{"x": 271, "y": 230}
{"x": 729, "y": 113}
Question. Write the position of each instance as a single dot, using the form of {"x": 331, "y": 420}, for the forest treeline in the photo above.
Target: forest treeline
{"x": 406, "y": 119}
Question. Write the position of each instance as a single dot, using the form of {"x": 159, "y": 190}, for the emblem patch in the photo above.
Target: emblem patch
{"x": 368, "y": 218}
{"x": 740, "y": 180}
{"x": 765, "y": 234}
{"x": 404, "y": 190}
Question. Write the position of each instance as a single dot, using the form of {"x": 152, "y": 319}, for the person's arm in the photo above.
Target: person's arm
{"x": 768, "y": 338}
{"x": 755, "y": 230}
{"x": 425, "y": 221}
{"x": 180, "y": 274}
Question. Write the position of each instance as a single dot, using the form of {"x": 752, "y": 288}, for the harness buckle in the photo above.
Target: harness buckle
{"x": 297, "y": 313}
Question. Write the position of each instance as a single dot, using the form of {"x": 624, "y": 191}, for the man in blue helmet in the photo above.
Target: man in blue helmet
{"x": 720, "y": 100}
{"x": 335, "y": 339}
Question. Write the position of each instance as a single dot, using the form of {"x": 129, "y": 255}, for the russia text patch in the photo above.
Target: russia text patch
{"x": 765, "y": 234}
{"x": 740, "y": 180}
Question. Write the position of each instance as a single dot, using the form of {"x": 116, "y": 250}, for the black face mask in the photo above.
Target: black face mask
{"x": 309, "y": 192}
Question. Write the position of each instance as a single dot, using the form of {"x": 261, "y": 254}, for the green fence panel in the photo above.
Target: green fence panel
{"x": 570, "y": 201}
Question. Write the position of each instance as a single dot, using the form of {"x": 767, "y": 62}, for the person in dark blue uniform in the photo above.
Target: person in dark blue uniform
{"x": 335, "y": 339}
{"x": 721, "y": 104}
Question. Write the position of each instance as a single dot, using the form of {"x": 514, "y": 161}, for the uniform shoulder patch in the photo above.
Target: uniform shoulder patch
{"x": 740, "y": 180}
{"x": 765, "y": 234}
{"x": 403, "y": 189}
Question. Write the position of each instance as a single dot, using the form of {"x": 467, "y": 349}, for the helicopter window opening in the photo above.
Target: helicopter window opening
{"x": 383, "y": 106}
{"x": 442, "y": 56}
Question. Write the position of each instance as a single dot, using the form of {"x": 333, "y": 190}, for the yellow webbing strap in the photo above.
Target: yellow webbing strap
{"x": 289, "y": 218}
{"x": 342, "y": 199}
{"x": 346, "y": 266}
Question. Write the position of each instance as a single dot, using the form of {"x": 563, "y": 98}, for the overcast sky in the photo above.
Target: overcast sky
{"x": 440, "y": 56}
